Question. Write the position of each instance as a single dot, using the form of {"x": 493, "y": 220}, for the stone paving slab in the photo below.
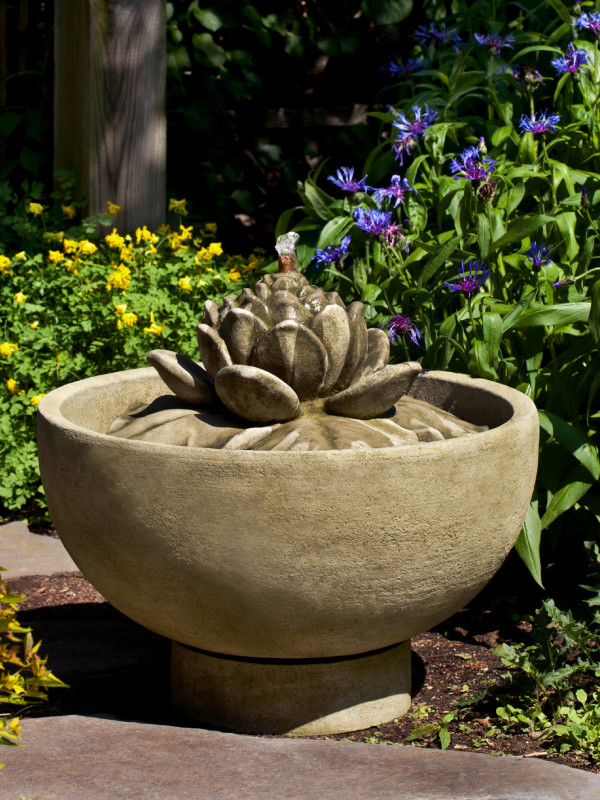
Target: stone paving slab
{"x": 23, "y": 553}
{"x": 91, "y": 758}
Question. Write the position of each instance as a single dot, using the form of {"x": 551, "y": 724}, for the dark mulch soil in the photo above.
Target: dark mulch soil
{"x": 452, "y": 664}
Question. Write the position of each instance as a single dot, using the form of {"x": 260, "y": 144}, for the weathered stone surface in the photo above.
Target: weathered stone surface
{"x": 430, "y": 423}
{"x": 255, "y": 394}
{"x": 378, "y": 353}
{"x": 24, "y": 553}
{"x": 184, "y": 377}
{"x": 212, "y": 349}
{"x": 87, "y": 758}
{"x": 294, "y": 354}
{"x": 376, "y": 393}
{"x": 358, "y": 344}
{"x": 285, "y": 305}
{"x": 240, "y": 331}
{"x": 211, "y": 313}
{"x": 332, "y": 328}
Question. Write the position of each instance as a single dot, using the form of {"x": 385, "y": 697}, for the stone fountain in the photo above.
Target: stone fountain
{"x": 293, "y": 509}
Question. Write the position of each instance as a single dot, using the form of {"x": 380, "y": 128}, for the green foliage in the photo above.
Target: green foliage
{"x": 79, "y": 299}
{"x": 24, "y": 677}
{"x": 534, "y": 323}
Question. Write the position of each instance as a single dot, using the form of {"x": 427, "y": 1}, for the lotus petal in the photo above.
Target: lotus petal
{"x": 290, "y": 281}
{"x": 431, "y": 423}
{"x": 313, "y": 299}
{"x": 333, "y": 297}
{"x": 262, "y": 290}
{"x": 258, "y": 308}
{"x": 285, "y": 305}
{"x": 357, "y": 348}
{"x": 213, "y": 350}
{"x": 211, "y": 314}
{"x": 255, "y": 394}
{"x": 332, "y": 328}
{"x": 183, "y": 376}
{"x": 378, "y": 353}
{"x": 376, "y": 393}
{"x": 240, "y": 331}
{"x": 295, "y": 354}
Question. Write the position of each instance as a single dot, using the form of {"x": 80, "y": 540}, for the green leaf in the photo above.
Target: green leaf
{"x": 492, "y": 335}
{"x": 521, "y": 229}
{"x": 208, "y": 18}
{"x": 577, "y": 444}
{"x": 561, "y": 10}
{"x": 318, "y": 200}
{"x": 565, "y": 314}
{"x": 510, "y": 319}
{"x": 436, "y": 261}
{"x": 284, "y": 221}
{"x": 386, "y": 12}
{"x": 594, "y": 320}
{"x": 334, "y": 230}
{"x": 370, "y": 293}
{"x": 444, "y": 738}
{"x": 566, "y": 225}
{"x": 411, "y": 172}
{"x": 585, "y": 256}
{"x": 479, "y": 362}
{"x": 528, "y": 543}
{"x": 213, "y": 52}
{"x": 564, "y": 499}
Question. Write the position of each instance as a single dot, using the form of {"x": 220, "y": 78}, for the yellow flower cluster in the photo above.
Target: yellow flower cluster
{"x": 178, "y": 206}
{"x": 206, "y": 254}
{"x": 252, "y": 266}
{"x": 113, "y": 208}
{"x": 82, "y": 248}
{"x": 36, "y": 209}
{"x": 153, "y": 328}
{"x": 68, "y": 211}
{"x": 233, "y": 275}
{"x": 125, "y": 318}
{"x": 55, "y": 256}
{"x": 36, "y": 399}
{"x": 144, "y": 235}
{"x": 13, "y": 387}
{"x": 127, "y": 253}
{"x": 8, "y": 348}
{"x": 114, "y": 240}
{"x": 176, "y": 239}
{"x": 120, "y": 278}
{"x": 4, "y": 265}
{"x": 19, "y": 298}
{"x": 185, "y": 284}
{"x": 52, "y": 237}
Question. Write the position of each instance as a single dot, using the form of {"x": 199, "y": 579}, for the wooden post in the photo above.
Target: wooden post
{"x": 109, "y": 104}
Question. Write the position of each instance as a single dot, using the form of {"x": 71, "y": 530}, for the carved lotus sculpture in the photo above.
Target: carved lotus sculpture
{"x": 267, "y": 352}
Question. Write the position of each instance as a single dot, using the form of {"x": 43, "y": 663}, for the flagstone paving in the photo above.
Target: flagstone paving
{"x": 78, "y": 757}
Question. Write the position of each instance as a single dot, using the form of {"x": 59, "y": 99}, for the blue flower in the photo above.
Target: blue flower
{"x": 527, "y": 76}
{"x": 546, "y": 122}
{"x": 397, "y": 190}
{"x": 539, "y": 255}
{"x": 433, "y": 35}
{"x": 332, "y": 254}
{"x": 494, "y": 42}
{"x": 469, "y": 283}
{"x": 589, "y": 22}
{"x": 373, "y": 221}
{"x": 571, "y": 61}
{"x": 400, "y": 325}
{"x": 399, "y": 68}
{"x": 346, "y": 182}
{"x": 411, "y": 129}
{"x": 472, "y": 165}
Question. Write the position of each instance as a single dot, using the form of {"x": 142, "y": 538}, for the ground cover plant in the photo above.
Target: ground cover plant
{"x": 79, "y": 299}
{"x": 471, "y": 235}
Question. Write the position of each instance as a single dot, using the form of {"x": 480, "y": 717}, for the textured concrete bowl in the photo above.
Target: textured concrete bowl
{"x": 287, "y": 555}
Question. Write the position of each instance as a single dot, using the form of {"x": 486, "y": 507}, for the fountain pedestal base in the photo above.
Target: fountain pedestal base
{"x": 302, "y": 698}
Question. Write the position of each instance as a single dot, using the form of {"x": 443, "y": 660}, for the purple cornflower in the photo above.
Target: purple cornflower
{"x": 333, "y": 254}
{"x": 469, "y": 283}
{"x": 472, "y": 165}
{"x": 546, "y": 122}
{"x": 585, "y": 200}
{"x": 494, "y": 42}
{"x": 411, "y": 129}
{"x": 539, "y": 255}
{"x": 527, "y": 76}
{"x": 398, "y": 189}
{"x": 571, "y": 61}
{"x": 399, "y": 325}
{"x": 410, "y": 65}
{"x": 346, "y": 182}
{"x": 589, "y": 22}
{"x": 433, "y": 35}
{"x": 372, "y": 220}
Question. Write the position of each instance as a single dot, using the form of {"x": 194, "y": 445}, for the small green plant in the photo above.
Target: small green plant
{"x": 24, "y": 676}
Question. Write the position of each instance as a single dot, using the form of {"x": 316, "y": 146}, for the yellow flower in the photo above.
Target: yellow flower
{"x": 8, "y": 348}
{"x": 12, "y": 386}
{"x": 34, "y": 325}
{"x": 36, "y": 209}
{"x": 127, "y": 253}
{"x": 113, "y": 208}
{"x": 119, "y": 324}
{"x": 129, "y": 319}
{"x": 19, "y": 297}
{"x": 178, "y": 206}
{"x": 55, "y": 256}
{"x": 53, "y": 237}
{"x": 120, "y": 309}
{"x": 184, "y": 283}
{"x": 210, "y": 228}
{"x": 114, "y": 239}
{"x": 4, "y": 265}
{"x": 68, "y": 211}
{"x": 201, "y": 283}
{"x": 86, "y": 248}
{"x": 36, "y": 399}
{"x": 215, "y": 249}
{"x": 22, "y": 256}
{"x": 186, "y": 233}
{"x": 233, "y": 275}
{"x": 154, "y": 329}
{"x": 71, "y": 265}
{"x": 203, "y": 255}
{"x": 120, "y": 278}
{"x": 163, "y": 229}
{"x": 144, "y": 235}
{"x": 69, "y": 245}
